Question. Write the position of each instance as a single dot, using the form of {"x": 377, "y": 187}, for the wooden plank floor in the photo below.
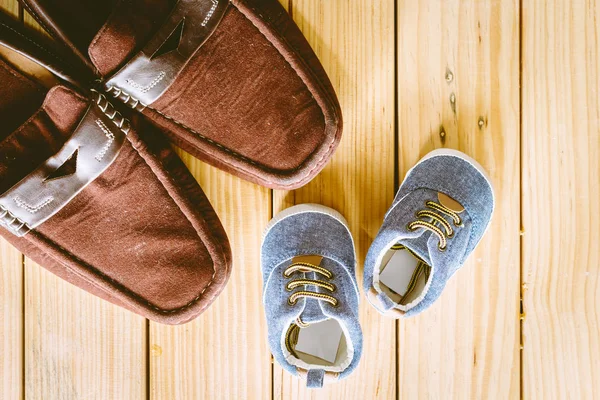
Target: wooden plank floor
{"x": 513, "y": 83}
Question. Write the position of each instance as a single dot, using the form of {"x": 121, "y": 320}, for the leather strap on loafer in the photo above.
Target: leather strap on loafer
{"x": 92, "y": 148}
{"x": 151, "y": 71}
{"x": 35, "y": 47}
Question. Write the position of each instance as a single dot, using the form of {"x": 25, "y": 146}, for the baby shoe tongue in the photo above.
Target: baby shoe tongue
{"x": 418, "y": 245}
{"x": 312, "y": 312}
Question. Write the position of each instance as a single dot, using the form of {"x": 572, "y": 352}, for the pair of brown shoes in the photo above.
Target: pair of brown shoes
{"x": 92, "y": 190}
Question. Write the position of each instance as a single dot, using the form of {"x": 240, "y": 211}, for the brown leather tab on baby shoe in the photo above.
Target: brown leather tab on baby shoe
{"x": 450, "y": 203}
{"x": 315, "y": 260}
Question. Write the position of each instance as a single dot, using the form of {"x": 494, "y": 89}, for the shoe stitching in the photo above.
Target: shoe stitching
{"x": 318, "y": 163}
{"x": 32, "y": 209}
{"x": 38, "y": 19}
{"x": 117, "y": 283}
{"x": 215, "y": 3}
{"x": 117, "y": 91}
{"x": 7, "y": 219}
{"x": 192, "y": 302}
{"x": 33, "y": 42}
{"x": 327, "y": 95}
{"x": 110, "y": 139}
{"x": 212, "y": 279}
{"x": 148, "y": 87}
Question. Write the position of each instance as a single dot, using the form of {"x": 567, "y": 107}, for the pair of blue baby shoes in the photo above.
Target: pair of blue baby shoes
{"x": 311, "y": 296}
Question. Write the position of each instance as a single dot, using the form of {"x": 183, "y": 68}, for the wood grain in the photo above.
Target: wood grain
{"x": 561, "y": 188}
{"x": 458, "y": 87}
{"x": 456, "y": 79}
{"x": 356, "y": 46}
{"x": 11, "y": 325}
{"x": 11, "y": 301}
{"x": 78, "y": 346}
{"x": 223, "y": 354}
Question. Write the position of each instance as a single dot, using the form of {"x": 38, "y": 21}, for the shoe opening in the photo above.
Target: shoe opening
{"x": 322, "y": 345}
{"x": 402, "y": 276}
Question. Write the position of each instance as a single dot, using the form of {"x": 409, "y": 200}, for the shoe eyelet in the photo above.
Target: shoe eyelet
{"x": 287, "y": 287}
{"x": 442, "y": 249}
{"x": 290, "y": 303}
{"x": 331, "y": 277}
{"x": 337, "y": 304}
{"x": 334, "y": 287}
{"x": 450, "y": 236}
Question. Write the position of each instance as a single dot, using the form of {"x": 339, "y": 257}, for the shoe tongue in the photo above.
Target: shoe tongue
{"x": 419, "y": 246}
{"x": 312, "y": 312}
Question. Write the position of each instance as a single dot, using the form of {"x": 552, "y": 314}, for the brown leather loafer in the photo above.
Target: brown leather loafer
{"x": 99, "y": 200}
{"x": 233, "y": 82}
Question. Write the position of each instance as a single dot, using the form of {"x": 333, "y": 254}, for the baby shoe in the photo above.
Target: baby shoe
{"x": 310, "y": 294}
{"x": 233, "y": 82}
{"x": 439, "y": 215}
{"x": 99, "y": 200}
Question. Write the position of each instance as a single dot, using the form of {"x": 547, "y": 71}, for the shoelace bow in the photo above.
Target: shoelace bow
{"x": 435, "y": 217}
{"x": 291, "y": 337}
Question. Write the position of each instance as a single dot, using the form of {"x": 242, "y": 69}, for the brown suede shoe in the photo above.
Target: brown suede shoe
{"x": 233, "y": 82}
{"x": 101, "y": 201}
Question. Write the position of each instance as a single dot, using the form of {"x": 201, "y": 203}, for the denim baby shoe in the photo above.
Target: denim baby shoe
{"x": 440, "y": 213}
{"x": 310, "y": 293}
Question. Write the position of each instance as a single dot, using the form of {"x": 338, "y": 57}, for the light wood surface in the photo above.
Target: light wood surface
{"x": 11, "y": 326}
{"x": 514, "y": 84}
{"x": 78, "y": 346}
{"x": 561, "y": 188}
{"x": 458, "y": 64}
